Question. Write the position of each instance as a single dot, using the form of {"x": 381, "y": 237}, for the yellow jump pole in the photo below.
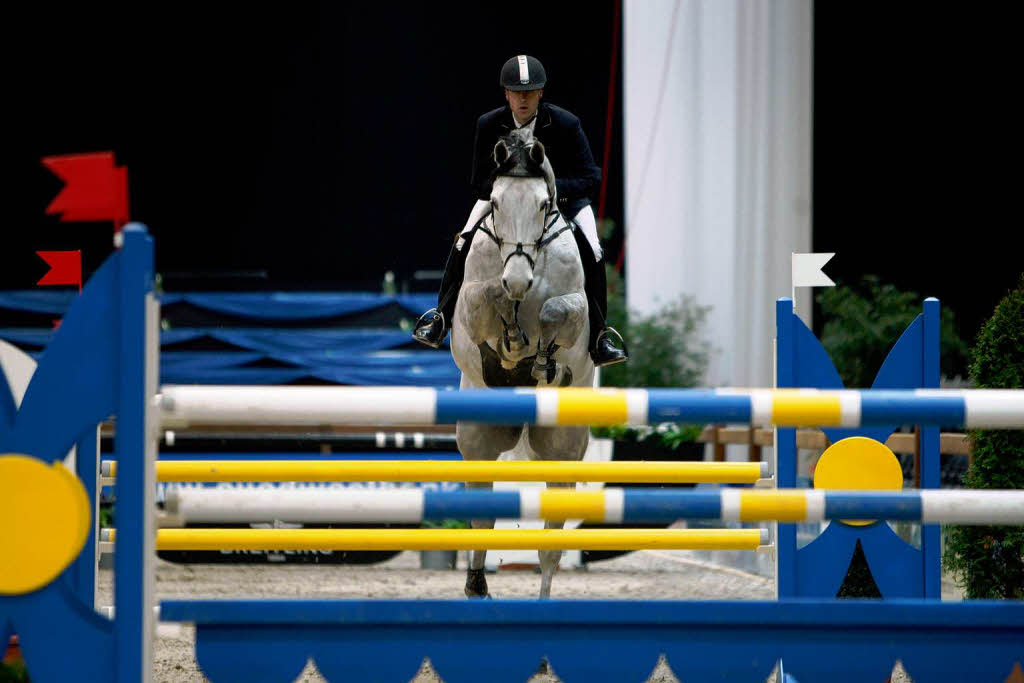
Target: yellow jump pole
{"x": 440, "y": 470}
{"x": 456, "y": 539}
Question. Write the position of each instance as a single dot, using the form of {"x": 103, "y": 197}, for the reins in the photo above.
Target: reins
{"x": 554, "y": 214}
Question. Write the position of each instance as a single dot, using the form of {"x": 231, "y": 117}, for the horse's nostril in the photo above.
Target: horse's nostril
{"x": 504, "y": 283}
{"x": 529, "y": 283}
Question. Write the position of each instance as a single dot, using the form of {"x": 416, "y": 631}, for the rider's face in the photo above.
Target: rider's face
{"x": 524, "y": 103}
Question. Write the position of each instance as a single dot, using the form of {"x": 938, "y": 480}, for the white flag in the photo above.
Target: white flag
{"x": 807, "y": 270}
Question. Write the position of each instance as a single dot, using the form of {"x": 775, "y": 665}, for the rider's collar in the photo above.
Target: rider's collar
{"x": 529, "y": 124}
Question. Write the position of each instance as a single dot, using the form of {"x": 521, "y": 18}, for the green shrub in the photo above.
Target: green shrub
{"x": 106, "y": 515}
{"x": 670, "y": 434}
{"x": 13, "y": 673}
{"x": 666, "y": 349}
{"x": 445, "y": 524}
{"x": 988, "y": 562}
{"x": 863, "y": 322}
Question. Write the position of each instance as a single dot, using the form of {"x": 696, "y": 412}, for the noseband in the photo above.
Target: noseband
{"x": 553, "y": 214}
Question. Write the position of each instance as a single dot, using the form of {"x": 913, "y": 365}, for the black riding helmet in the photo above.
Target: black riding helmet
{"x": 523, "y": 72}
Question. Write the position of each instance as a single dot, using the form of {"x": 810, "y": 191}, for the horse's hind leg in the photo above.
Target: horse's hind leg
{"x": 549, "y": 559}
{"x": 556, "y": 443}
{"x": 482, "y": 442}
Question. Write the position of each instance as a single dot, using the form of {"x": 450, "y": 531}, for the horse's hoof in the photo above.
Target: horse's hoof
{"x": 476, "y": 584}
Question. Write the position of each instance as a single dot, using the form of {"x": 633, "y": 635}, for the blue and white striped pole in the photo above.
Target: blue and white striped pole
{"x": 241, "y": 405}
{"x": 611, "y": 505}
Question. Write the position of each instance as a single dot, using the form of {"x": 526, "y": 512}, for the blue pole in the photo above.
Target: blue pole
{"x": 136, "y": 482}
{"x": 785, "y": 449}
{"x": 930, "y": 457}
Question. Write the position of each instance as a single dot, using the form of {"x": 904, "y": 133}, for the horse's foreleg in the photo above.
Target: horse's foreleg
{"x": 486, "y": 313}
{"x": 561, "y": 322}
{"x": 514, "y": 337}
{"x": 476, "y": 310}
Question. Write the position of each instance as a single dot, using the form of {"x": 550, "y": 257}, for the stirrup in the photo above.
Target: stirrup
{"x": 605, "y": 334}
{"x": 426, "y": 324}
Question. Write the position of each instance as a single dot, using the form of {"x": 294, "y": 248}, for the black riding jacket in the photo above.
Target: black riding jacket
{"x": 577, "y": 177}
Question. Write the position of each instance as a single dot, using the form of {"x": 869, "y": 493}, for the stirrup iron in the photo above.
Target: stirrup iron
{"x": 603, "y": 339}
{"x": 425, "y": 323}
{"x": 605, "y": 332}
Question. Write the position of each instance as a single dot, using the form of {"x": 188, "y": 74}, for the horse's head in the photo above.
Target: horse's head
{"x": 522, "y": 202}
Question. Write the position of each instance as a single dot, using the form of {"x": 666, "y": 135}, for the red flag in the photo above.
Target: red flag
{"x": 95, "y": 189}
{"x": 65, "y": 268}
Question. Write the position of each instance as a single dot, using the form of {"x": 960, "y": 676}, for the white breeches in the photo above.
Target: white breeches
{"x": 588, "y": 226}
{"x": 585, "y": 219}
{"x": 480, "y": 209}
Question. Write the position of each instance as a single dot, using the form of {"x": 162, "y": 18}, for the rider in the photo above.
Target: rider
{"x": 576, "y": 177}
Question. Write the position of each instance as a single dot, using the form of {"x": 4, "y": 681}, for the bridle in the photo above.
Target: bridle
{"x": 545, "y": 239}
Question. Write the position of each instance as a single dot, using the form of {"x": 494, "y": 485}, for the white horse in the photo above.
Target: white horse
{"x": 521, "y": 320}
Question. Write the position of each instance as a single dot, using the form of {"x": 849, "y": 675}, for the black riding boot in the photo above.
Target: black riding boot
{"x": 433, "y": 326}
{"x": 602, "y": 351}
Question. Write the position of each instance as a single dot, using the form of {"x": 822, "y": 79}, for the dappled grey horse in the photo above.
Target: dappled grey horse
{"x": 521, "y": 320}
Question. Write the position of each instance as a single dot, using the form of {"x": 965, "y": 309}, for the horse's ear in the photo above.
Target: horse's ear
{"x": 501, "y": 153}
{"x": 537, "y": 152}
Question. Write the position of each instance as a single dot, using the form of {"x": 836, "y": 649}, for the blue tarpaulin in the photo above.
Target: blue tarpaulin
{"x": 256, "y": 306}
{"x": 269, "y": 366}
{"x": 288, "y": 345}
{"x": 269, "y": 355}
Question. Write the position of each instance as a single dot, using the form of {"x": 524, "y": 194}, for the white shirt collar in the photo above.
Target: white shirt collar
{"x": 528, "y": 126}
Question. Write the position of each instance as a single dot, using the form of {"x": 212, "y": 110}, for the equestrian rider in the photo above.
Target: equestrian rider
{"x": 576, "y": 178}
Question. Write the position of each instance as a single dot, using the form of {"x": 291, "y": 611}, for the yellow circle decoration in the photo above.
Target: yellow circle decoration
{"x": 44, "y": 522}
{"x": 858, "y": 463}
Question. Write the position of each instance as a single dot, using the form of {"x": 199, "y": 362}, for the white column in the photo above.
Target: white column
{"x": 717, "y": 133}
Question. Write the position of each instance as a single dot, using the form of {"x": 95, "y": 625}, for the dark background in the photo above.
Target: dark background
{"x": 316, "y": 147}
{"x": 917, "y": 150}
{"x": 320, "y": 145}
